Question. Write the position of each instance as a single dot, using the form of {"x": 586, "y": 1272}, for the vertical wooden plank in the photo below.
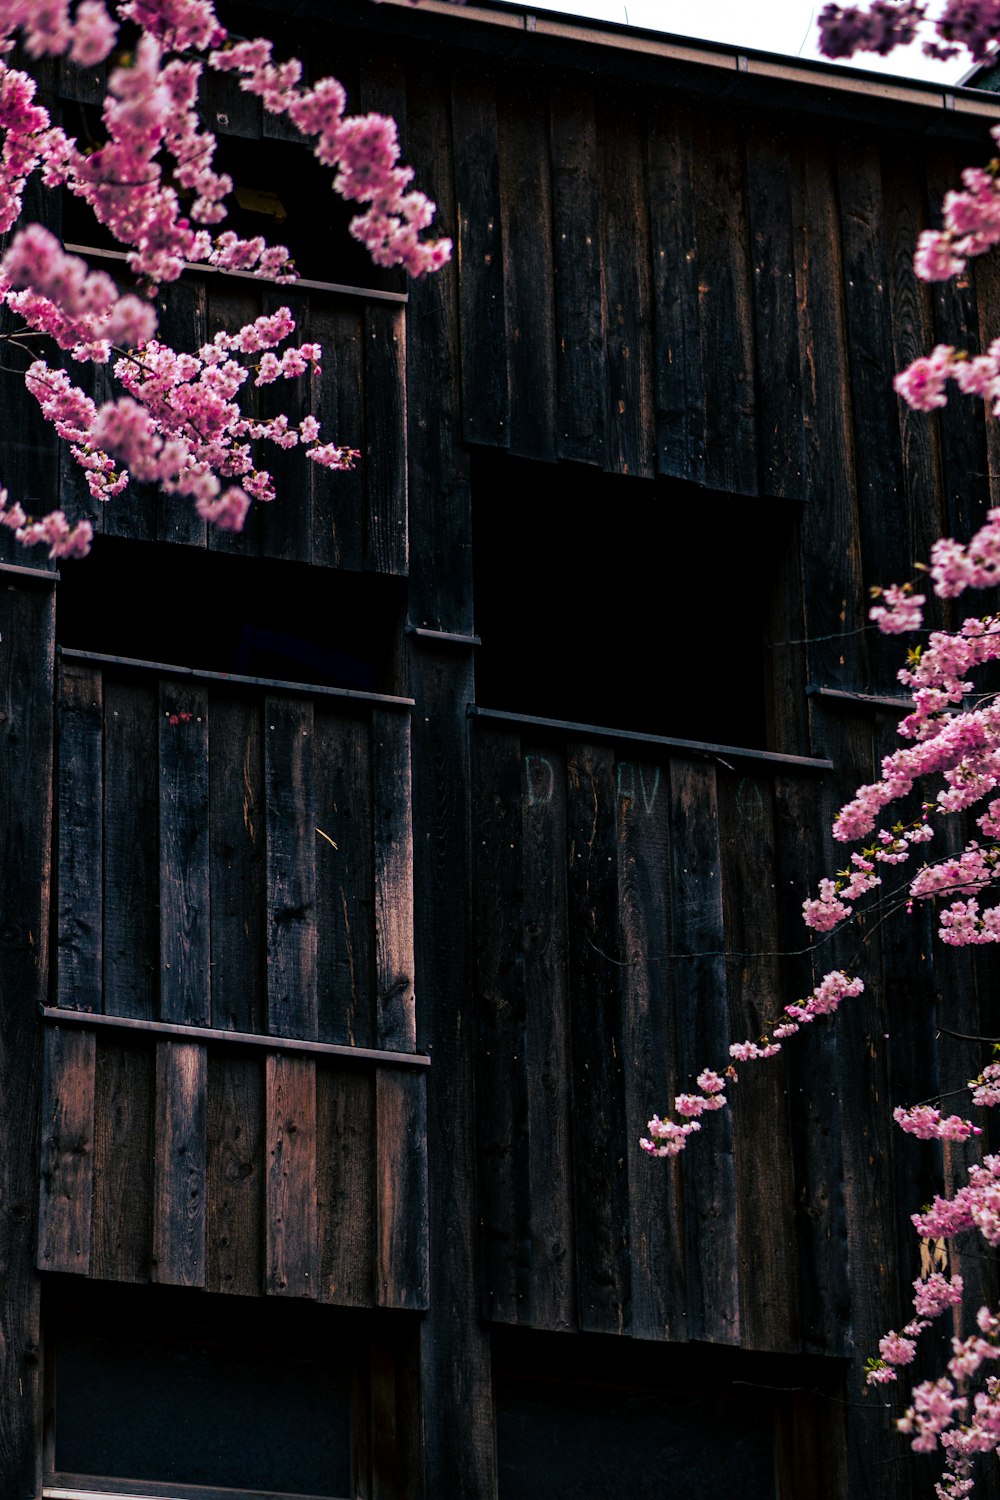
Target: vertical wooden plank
{"x": 236, "y": 864}
{"x": 67, "y": 1164}
{"x": 501, "y": 1084}
{"x": 655, "y": 1188}
{"x": 526, "y": 209}
{"x": 454, "y": 1343}
{"x": 817, "y": 1123}
{"x": 123, "y": 1162}
{"x": 234, "y": 1175}
{"x": 131, "y": 874}
{"x": 833, "y": 594}
{"x": 724, "y": 311}
{"x": 290, "y": 818}
{"x": 179, "y": 1155}
{"x": 438, "y": 462}
{"x": 765, "y": 1201}
{"x": 339, "y": 524}
{"x": 912, "y": 334}
{"x": 185, "y": 917}
{"x": 385, "y": 439}
{"x": 401, "y": 1272}
{"x": 860, "y": 1094}
{"x": 886, "y": 518}
{"x": 599, "y": 1173}
{"x": 27, "y": 620}
{"x": 344, "y": 881}
{"x": 292, "y": 1264}
{"x": 286, "y": 523}
{"x": 631, "y": 445}
{"x": 345, "y": 1130}
{"x": 392, "y": 826}
{"x": 711, "y": 1248}
{"x": 777, "y": 374}
{"x": 677, "y": 343}
{"x": 485, "y": 399}
{"x": 547, "y": 1042}
{"x": 579, "y": 295}
{"x": 182, "y": 310}
{"x": 81, "y": 796}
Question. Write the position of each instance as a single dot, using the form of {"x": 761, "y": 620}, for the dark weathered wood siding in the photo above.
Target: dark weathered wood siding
{"x": 272, "y": 904}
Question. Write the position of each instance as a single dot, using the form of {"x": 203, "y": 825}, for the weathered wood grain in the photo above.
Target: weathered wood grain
{"x": 236, "y": 863}
{"x": 387, "y": 549}
{"x": 179, "y": 1155}
{"x": 286, "y": 524}
{"x": 631, "y": 435}
{"x": 765, "y": 1194}
{"x": 597, "y": 1070}
{"x": 392, "y": 831}
{"x": 724, "y": 307}
{"x": 438, "y": 463}
{"x": 702, "y": 1021}
{"x": 455, "y": 1348}
{"x": 234, "y": 1175}
{"x": 185, "y": 887}
{"x": 290, "y": 822}
{"x": 485, "y": 398}
{"x": 80, "y": 975}
{"x": 67, "y": 1150}
{"x": 292, "y": 1262}
{"x": 680, "y": 427}
{"x": 339, "y": 500}
{"x": 777, "y": 373}
{"x": 885, "y": 520}
{"x": 581, "y": 372}
{"x": 833, "y": 592}
{"x": 345, "y": 1170}
{"x": 401, "y": 1266}
{"x": 823, "y": 1271}
{"x": 649, "y": 1045}
{"x": 552, "y": 1301}
{"x": 526, "y": 213}
{"x": 123, "y": 1162}
{"x": 27, "y": 629}
{"x": 344, "y": 881}
{"x": 131, "y": 850}
{"x": 501, "y": 1087}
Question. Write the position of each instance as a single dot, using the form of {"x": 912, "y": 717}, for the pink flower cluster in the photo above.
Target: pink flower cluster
{"x": 666, "y": 1137}
{"x": 928, "y": 1124}
{"x": 362, "y": 150}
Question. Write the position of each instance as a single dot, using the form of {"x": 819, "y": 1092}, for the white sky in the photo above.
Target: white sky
{"x": 785, "y": 26}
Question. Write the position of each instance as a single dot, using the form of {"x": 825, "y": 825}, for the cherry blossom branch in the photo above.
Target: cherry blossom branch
{"x": 179, "y": 423}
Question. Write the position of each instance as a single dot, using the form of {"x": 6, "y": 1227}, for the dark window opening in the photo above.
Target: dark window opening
{"x": 635, "y": 604}
{"x": 599, "y": 1423}
{"x": 253, "y": 617}
{"x": 239, "y": 1402}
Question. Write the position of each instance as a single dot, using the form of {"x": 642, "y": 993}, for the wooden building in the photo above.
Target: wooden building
{"x": 371, "y": 878}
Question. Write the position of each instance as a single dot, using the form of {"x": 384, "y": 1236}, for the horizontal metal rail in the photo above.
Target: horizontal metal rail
{"x": 657, "y": 741}
{"x": 61, "y": 1016}
{"x": 380, "y": 700}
